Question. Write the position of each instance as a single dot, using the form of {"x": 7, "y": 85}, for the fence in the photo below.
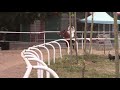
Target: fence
{"x": 21, "y": 43}
{"x": 29, "y": 54}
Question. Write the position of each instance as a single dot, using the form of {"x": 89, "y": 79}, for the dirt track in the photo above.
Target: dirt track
{"x": 13, "y": 66}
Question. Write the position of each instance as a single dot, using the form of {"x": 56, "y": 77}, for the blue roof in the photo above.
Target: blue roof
{"x": 100, "y": 18}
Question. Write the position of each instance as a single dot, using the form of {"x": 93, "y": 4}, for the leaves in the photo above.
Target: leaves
{"x": 10, "y": 20}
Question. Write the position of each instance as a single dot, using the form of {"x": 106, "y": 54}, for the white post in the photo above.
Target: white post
{"x": 53, "y": 51}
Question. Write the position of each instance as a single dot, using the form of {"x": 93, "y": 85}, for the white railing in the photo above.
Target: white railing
{"x": 30, "y": 54}
{"x": 33, "y": 48}
{"x": 37, "y": 46}
{"x": 57, "y": 44}
{"x": 27, "y": 56}
{"x": 33, "y": 55}
{"x": 80, "y": 35}
{"x": 40, "y": 75}
{"x": 66, "y": 42}
{"x": 53, "y": 50}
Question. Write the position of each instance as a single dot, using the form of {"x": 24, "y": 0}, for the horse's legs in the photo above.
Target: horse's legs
{"x": 69, "y": 43}
{"x": 73, "y": 44}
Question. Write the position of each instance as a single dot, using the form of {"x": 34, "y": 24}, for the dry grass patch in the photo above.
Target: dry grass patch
{"x": 96, "y": 66}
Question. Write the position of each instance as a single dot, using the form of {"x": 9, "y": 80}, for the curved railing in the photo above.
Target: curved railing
{"x": 31, "y": 54}
{"x": 27, "y": 56}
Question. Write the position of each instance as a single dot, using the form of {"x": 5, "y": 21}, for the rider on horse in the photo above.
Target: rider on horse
{"x": 66, "y": 34}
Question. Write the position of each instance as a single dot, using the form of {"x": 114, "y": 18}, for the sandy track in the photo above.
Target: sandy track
{"x": 13, "y": 66}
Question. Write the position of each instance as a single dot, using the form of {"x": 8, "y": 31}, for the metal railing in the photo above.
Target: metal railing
{"x": 79, "y": 33}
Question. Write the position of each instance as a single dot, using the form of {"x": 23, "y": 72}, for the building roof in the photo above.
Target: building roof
{"x": 100, "y": 18}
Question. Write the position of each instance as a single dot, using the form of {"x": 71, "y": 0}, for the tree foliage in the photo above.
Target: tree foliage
{"x": 10, "y": 20}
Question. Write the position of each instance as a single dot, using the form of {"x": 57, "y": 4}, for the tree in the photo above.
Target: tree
{"x": 76, "y": 38}
{"x": 10, "y": 20}
{"x": 91, "y": 33}
{"x": 84, "y": 47}
{"x": 70, "y": 23}
{"x": 116, "y": 45}
{"x": 85, "y": 32}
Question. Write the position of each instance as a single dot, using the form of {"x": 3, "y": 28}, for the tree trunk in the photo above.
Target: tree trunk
{"x": 84, "y": 46}
{"x": 116, "y": 45}
{"x": 75, "y": 38}
{"x": 91, "y": 33}
{"x": 85, "y": 32}
{"x": 70, "y": 22}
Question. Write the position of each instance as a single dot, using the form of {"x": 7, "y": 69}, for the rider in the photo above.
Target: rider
{"x": 72, "y": 31}
{"x": 72, "y": 34}
{"x": 66, "y": 34}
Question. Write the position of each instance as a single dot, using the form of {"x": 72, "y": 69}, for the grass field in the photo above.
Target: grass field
{"x": 94, "y": 66}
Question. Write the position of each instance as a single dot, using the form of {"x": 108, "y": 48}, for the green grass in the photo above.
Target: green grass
{"x": 95, "y": 67}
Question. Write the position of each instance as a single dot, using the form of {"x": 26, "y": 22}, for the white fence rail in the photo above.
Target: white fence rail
{"x": 27, "y": 56}
{"x": 30, "y": 55}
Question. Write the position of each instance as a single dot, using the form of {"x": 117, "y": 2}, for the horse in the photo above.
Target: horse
{"x": 66, "y": 34}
